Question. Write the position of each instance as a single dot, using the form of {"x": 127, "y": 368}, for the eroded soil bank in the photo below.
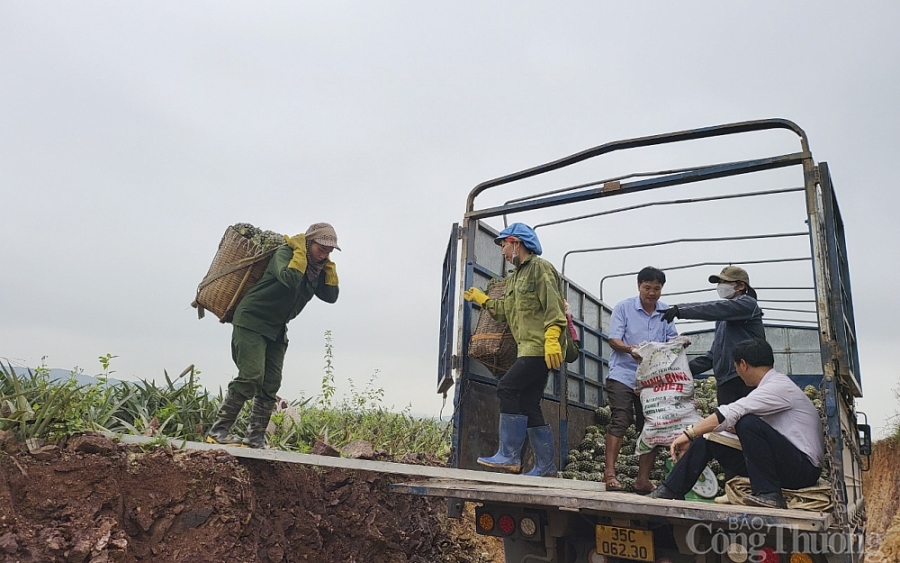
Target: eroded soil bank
{"x": 881, "y": 487}
{"x": 94, "y": 501}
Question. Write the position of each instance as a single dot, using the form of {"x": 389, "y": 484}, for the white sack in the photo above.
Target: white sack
{"x": 667, "y": 393}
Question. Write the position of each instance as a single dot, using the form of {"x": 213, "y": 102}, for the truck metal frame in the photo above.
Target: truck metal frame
{"x": 828, "y": 359}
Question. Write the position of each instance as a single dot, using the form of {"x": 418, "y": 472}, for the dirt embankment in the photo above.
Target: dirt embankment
{"x": 881, "y": 487}
{"x": 96, "y": 502}
{"x": 99, "y": 503}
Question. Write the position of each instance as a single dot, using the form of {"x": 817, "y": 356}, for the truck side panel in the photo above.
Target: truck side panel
{"x": 571, "y": 395}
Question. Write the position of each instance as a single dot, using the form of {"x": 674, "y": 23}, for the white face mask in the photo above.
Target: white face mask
{"x": 725, "y": 290}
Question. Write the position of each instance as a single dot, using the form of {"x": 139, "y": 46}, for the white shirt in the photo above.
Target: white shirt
{"x": 782, "y": 405}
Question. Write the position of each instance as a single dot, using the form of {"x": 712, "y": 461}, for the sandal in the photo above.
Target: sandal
{"x": 612, "y": 484}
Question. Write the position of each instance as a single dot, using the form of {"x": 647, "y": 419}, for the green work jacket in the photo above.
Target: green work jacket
{"x": 279, "y": 296}
{"x": 531, "y": 304}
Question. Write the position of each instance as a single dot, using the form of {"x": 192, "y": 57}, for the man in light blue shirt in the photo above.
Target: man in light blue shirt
{"x": 634, "y": 321}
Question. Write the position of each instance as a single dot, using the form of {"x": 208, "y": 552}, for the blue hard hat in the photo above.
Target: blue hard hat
{"x": 524, "y": 233}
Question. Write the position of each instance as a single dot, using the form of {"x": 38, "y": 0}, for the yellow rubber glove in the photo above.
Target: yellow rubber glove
{"x": 298, "y": 244}
{"x": 476, "y": 295}
{"x": 552, "y": 350}
{"x": 331, "y": 277}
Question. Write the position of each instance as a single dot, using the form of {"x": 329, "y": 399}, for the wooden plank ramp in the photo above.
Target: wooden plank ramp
{"x": 423, "y": 471}
{"x": 610, "y": 503}
{"x": 484, "y": 486}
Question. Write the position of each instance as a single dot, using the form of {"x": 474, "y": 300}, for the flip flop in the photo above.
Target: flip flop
{"x": 612, "y": 484}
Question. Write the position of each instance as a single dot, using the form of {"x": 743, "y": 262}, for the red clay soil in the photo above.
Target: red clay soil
{"x": 881, "y": 488}
{"x": 97, "y": 502}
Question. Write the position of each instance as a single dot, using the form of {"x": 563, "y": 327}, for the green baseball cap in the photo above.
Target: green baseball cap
{"x": 731, "y": 274}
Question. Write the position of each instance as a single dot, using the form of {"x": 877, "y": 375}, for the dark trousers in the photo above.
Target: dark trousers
{"x": 768, "y": 459}
{"x": 731, "y": 390}
{"x": 521, "y": 389}
{"x": 625, "y": 406}
{"x": 259, "y": 362}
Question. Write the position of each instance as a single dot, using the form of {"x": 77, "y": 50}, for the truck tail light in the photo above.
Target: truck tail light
{"x": 737, "y": 552}
{"x": 768, "y": 555}
{"x": 485, "y": 523}
{"x": 509, "y": 522}
{"x": 506, "y": 524}
{"x": 527, "y": 526}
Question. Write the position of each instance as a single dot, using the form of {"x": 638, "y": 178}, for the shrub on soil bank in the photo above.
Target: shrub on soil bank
{"x": 32, "y": 405}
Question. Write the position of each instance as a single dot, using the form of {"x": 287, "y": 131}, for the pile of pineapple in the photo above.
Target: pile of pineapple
{"x": 264, "y": 240}
{"x": 588, "y": 461}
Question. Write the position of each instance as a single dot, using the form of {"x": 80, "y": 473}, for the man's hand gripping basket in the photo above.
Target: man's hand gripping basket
{"x": 243, "y": 255}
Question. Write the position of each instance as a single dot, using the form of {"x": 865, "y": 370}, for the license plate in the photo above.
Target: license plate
{"x": 626, "y": 543}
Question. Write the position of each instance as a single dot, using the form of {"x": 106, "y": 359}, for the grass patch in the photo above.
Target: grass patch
{"x": 34, "y": 406}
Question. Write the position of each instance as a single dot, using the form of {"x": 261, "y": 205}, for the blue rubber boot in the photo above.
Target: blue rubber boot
{"x": 512, "y": 437}
{"x": 541, "y": 439}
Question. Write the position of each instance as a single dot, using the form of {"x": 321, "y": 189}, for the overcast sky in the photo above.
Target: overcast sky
{"x": 132, "y": 134}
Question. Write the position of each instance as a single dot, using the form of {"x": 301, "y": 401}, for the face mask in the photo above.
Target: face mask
{"x": 725, "y": 290}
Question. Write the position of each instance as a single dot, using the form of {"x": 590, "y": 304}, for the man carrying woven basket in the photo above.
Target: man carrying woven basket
{"x": 298, "y": 271}
{"x": 533, "y": 307}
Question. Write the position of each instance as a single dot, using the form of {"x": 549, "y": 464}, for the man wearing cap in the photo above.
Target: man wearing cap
{"x": 297, "y": 271}
{"x": 533, "y": 307}
{"x": 738, "y": 318}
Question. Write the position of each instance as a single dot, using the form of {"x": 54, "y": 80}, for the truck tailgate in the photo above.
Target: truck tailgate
{"x": 615, "y": 504}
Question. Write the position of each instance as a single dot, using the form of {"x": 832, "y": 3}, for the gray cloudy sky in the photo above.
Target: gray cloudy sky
{"x": 132, "y": 134}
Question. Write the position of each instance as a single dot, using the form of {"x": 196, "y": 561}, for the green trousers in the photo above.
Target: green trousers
{"x": 259, "y": 362}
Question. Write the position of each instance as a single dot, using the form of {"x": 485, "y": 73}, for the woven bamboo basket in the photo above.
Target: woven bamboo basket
{"x": 492, "y": 343}
{"x": 239, "y": 263}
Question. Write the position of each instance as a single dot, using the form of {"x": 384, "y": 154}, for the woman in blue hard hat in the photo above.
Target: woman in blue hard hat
{"x": 533, "y": 307}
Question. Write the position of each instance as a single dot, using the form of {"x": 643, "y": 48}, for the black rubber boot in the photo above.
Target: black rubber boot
{"x": 259, "y": 421}
{"x": 228, "y": 413}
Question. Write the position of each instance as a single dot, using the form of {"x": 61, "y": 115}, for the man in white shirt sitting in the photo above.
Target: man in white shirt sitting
{"x": 779, "y": 428}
